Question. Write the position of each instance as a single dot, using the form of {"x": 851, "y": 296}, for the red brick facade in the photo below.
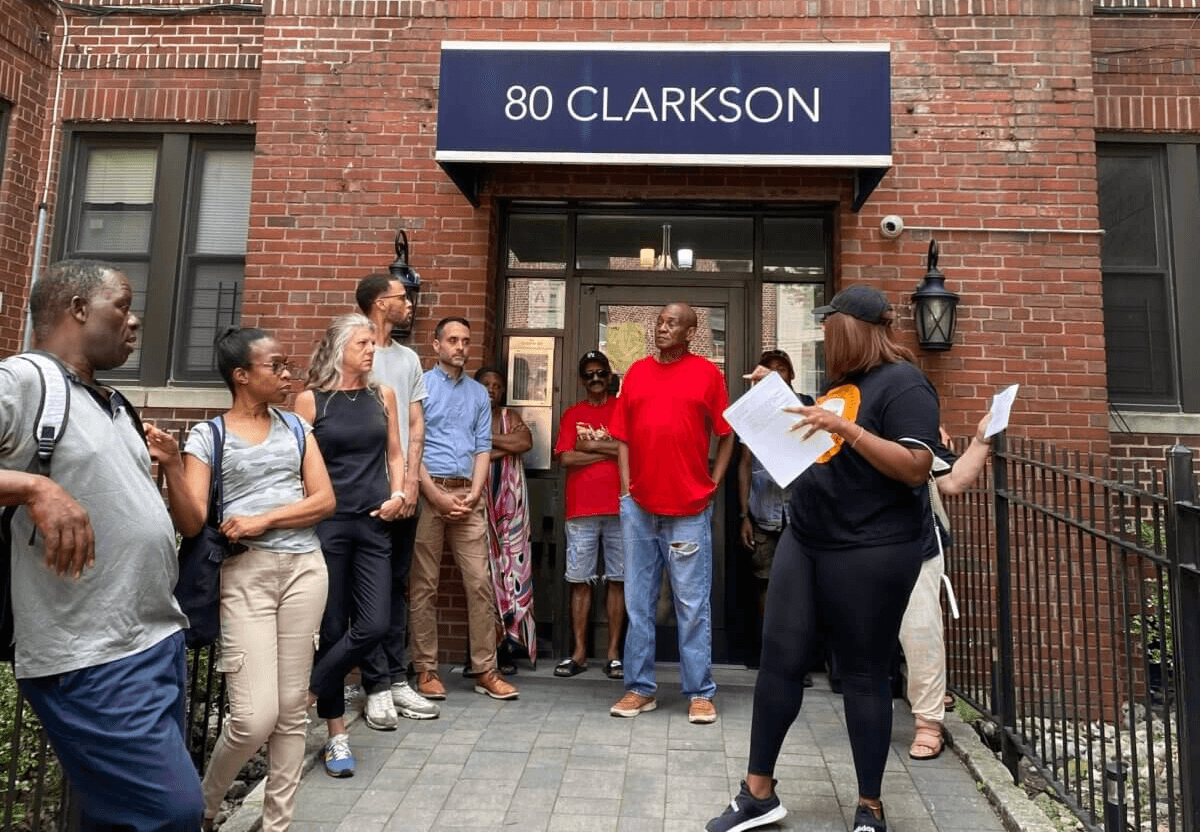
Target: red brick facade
{"x": 995, "y": 109}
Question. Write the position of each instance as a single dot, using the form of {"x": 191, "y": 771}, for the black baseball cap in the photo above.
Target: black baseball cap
{"x": 594, "y": 355}
{"x": 859, "y": 301}
{"x": 777, "y": 355}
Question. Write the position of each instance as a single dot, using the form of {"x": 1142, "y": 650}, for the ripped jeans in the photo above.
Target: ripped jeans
{"x": 683, "y": 545}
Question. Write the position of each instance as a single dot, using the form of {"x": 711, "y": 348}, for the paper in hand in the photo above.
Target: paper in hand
{"x": 1002, "y": 404}
{"x": 760, "y": 421}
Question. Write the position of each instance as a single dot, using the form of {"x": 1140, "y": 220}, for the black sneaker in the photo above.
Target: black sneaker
{"x": 747, "y": 812}
{"x": 865, "y": 820}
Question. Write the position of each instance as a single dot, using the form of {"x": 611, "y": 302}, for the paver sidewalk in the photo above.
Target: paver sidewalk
{"x": 555, "y": 760}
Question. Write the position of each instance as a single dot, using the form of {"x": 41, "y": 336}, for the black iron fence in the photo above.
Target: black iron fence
{"x": 33, "y": 792}
{"x": 1080, "y": 600}
{"x": 32, "y": 787}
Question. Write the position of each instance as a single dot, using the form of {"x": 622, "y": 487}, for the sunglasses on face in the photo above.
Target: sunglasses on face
{"x": 588, "y": 376}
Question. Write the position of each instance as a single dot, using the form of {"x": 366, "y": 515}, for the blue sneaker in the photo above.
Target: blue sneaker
{"x": 746, "y": 811}
{"x": 339, "y": 762}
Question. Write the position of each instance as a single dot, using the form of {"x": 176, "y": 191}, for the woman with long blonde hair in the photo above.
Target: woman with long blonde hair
{"x": 354, "y": 424}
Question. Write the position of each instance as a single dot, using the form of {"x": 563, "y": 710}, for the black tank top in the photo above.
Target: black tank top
{"x": 351, "y": 431}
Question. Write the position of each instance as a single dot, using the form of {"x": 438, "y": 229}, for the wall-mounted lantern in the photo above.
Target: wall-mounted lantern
{"x": 935, "y": 306}
{"x": 406, "y": 274}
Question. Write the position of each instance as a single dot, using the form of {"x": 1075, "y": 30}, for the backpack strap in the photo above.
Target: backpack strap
{"x": 216, "y": 501}
{"x": 53, "y": 409}
{"x": 296, "y": 425}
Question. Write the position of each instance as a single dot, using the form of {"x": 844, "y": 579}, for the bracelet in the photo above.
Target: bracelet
{"x": 397, "y": 494}
{"x": 861, "y": 431}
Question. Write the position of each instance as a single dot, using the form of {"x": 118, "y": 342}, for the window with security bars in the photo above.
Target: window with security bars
{"x": 171, "y": 210}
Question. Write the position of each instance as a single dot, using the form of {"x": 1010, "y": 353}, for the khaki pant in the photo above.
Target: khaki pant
{"x": 271, "y": 607}
{"x": 923, "y": 644}
{"x": 467, "y": 540}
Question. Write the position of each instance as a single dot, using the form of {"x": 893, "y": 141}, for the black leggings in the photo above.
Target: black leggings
{"x": 857, "y": 596}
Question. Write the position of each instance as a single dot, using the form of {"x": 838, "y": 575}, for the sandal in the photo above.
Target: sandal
{"x": 928, "y": 742}
{"x": 568, "y": 667}
{"x": 948, "y": 701}
{"x": 614, "y": 669}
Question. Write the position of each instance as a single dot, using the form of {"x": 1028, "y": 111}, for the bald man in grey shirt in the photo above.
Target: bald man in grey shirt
{"x": 99, "y": 641}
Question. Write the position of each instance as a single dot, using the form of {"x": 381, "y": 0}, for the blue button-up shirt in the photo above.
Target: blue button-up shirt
{"x": 458, "y": 423}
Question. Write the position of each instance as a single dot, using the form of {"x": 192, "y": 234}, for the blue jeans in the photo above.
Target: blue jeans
{"x": 583, "y": 548}
{"x": 683, "y": 545}
{"x": 117, "y": 728}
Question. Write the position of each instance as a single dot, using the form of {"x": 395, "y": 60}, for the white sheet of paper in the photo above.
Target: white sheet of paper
{"x": 759, "y": 420}
{"x": 1002, "y": 404}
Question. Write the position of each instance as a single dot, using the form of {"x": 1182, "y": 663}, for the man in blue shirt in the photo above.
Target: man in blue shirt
{"x": 454, "y": 470}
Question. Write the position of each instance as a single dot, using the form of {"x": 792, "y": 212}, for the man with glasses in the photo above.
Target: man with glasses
{"x": 589, "y": 453}
{"x": 384, "y": 300}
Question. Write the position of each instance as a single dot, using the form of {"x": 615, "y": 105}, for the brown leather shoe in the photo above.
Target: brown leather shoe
{"x": 429, "y": 685}
{"x": 702, "y": 710}
{"x": 493, "y": 684}
{"x": 632, "y": 704}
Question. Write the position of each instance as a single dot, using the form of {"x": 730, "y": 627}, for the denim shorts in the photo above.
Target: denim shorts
{"x": 583, "y": 547}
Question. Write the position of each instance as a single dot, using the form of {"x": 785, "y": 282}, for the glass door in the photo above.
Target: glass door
{"x": 619, "y": 321}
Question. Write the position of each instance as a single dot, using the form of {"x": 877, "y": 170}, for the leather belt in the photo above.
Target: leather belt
{"x": 451, "y": 482}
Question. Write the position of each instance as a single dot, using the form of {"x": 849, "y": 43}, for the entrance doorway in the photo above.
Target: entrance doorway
{"x": 619, "y": 321}
{"x": 578, "y": 276}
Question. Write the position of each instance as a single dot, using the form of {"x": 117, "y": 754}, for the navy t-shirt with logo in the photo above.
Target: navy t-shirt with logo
{"x": 843, "y": 501}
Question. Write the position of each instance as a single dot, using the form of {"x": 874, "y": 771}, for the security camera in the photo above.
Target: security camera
{"x": 891, "y": 226}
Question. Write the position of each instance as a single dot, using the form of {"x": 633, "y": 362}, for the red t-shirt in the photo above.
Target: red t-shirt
{"x": 664, "y": 415}
{"x": 595, "y": 488}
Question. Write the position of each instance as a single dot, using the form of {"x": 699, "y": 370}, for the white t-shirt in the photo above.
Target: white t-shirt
{"x": 398, "y": 367}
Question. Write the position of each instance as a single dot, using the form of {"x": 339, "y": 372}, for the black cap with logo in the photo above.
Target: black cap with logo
{"x": 594, "y": 355}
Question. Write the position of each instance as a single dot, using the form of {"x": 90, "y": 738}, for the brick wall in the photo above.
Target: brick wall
{"x": 26, "y": 58}
{"x": 1146, "y": 82}
{"x": 994, "y": 109}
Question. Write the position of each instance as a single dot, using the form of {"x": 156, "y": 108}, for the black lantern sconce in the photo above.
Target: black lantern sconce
{"x": 935, "y": 307}
{"x": 406, "y": 274}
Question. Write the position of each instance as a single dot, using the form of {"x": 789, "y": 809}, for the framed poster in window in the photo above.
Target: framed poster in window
{"x": 540, "y": 421}
{"x": 530, "y": 364}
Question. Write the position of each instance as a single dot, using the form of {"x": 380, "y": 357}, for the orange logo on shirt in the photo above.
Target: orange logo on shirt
{"x": 844, "y": 401}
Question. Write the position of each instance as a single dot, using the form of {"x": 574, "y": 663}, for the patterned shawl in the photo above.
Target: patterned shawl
{"x": 512, "y": 571}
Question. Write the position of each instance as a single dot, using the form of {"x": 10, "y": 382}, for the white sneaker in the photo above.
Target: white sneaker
{"x": 412, "y": 705}
{"x": 380, "y": 712}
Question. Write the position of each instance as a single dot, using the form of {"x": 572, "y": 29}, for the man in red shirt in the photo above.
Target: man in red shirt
{"x": 670, "y": 405}
{"x": 589, "y": 453}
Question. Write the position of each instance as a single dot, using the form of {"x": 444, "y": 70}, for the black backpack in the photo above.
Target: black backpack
{"x": 49, "y": 426}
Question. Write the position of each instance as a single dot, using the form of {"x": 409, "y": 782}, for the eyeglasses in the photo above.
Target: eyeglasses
{"x": 595, "y": 374}
{"x": 402, "y": 295}
{"x": 278, "y": 367}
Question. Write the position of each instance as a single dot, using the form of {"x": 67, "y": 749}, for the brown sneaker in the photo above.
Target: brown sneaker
{"x": 493, "y": 684}
{"x": 702, "y": 711}
{"x": 429, "y": 685}
{"x": 632, "y": 704}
